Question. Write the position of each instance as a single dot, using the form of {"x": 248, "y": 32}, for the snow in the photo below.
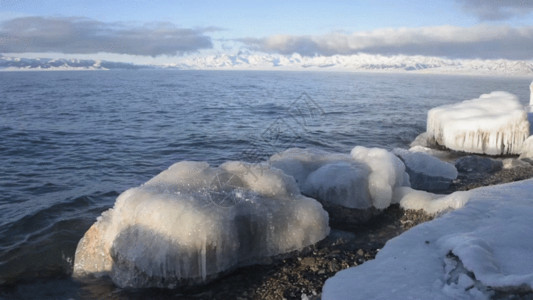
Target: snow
{"x": 425, "y": 171}
{"x": 363, "y": 179}
{"x": 465, "y": 254}
{"x": 494, "y": 124}
{"x": 254, "y": 60}
{"x": 193, "y": 221}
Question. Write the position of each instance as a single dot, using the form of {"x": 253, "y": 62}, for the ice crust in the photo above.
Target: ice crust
{"x": 494, "y": 124}
{"x": 193, "y": 221}
{"x": 465, "y": 254}
{"x": 365, "y": 178}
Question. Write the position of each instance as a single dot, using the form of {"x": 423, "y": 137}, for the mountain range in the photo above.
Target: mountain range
{"x": 295, "y": 62}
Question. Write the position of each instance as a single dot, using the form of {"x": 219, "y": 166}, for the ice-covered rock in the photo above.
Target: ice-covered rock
{"x": 474, "y": 252}
{"x": 426, "y": 172}
{"x": 511, "y": 163}
{"x": 477, "y": 164}
{"x": 429, "y": 202}
{"x": 421, "y": 140}
{"x": 364, "y": 179}
{"x": 340, "y": 183}
{"x": 494, "y": 124}
{"x": 193, "y": 221}
{"x": 527, "y": 149}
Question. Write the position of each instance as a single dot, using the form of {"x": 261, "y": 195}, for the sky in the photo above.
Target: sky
{"x": 160, "y": 31}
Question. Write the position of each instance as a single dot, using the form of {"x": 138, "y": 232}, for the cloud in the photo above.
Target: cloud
{"x": 494, "y": 10}
{"x": 487, "y": 42}
{"x": 83, "y": 35}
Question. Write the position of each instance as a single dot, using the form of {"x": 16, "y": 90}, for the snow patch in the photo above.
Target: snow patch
{"x": 470, "y": 253}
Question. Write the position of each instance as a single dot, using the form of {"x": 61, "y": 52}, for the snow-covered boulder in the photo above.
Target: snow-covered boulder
{"x": 527, "y": 149}
{"x": 494, "y": 124}
{"x": 364, "y": 179}
{"x": 193, "y": 221}
{"x": 426, "y": 172}
{"x": 474, "y": 252}
{"x": 477, "y": 164}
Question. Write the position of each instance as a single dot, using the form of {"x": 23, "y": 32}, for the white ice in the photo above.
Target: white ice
{"x": 494, "y": 124}
{"x": 468, "y": 253}
{"x": 363, "y": 179}
{"x": 193, "y": 221}
{"x": 427, "y": 172}
{"x": 527, "y": 149}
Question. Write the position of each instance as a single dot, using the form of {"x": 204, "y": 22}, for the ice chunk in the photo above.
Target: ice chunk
{"x": 494, "y": 124}
{"x": 527, "y": 149}
{"x": 387, "y": 172}
{"x": 299, "y": 163}
{"x": 193, "y": 221}
{"x": 470, "y": 253}
{"x": 340, "y": 183}
{"x": 425, "y": 171}
{"x": 429, "y": 202}
{"x": 365, "y": 178}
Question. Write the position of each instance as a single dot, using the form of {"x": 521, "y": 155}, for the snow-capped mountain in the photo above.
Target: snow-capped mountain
{"x": 19, "y": 64}
{"x": 264, "y": 61}
{"x": 358, "y": 62}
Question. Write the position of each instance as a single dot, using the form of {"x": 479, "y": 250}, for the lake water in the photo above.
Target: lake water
{"x": 70, "y": 142}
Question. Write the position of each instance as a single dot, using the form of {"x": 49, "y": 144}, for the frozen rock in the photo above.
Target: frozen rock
{"x": 428, "y": 202}
{"x": 494, "y": 124}
{"x": 365, "y": 179}
{"x": 387, "y": 172}
{"x": 474, "y": 252}
{"x": 340, "y": 183}
{"x": 527, "y": 149}
{"x": 299, "y": 163}
{"x": 511, "y": 163}
{"x": 440, "y": 154}
{"x": 426, "y": 172}
{"x": 422, "y": 141}
{"x": 477, "y": 164}
{"x": 193, "y": 221}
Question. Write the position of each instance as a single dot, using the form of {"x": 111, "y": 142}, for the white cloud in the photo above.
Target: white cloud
{"x": 83, "y": 35}
{"x": 449, "y": 41}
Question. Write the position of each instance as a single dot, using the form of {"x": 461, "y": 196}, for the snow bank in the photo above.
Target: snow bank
{"x": 494, "y": 124}
{"x": 193, "y": 221}
{"x": 425, "y": 171}
{"x": 466, "y": 254}
{"x": 361, "y": 180}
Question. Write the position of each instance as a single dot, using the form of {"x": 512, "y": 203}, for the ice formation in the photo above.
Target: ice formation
{"x": 527, "y": 149}
{"x": 494, "y": 124}
{"x": 471, "y": 253}
{"x": 430, "y": 203}
{"x": 361, "y": 180}
{"x": 425, "y": 171}
{"x": 193, "y": 221}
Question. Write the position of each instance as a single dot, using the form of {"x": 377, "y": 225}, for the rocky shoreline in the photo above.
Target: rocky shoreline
{"x": 301, "y": 275}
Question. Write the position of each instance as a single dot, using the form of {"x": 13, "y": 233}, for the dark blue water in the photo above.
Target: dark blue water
{"x": 70, "y": 142}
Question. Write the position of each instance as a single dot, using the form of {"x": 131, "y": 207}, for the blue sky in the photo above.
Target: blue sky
{"x": 452, "y": 28}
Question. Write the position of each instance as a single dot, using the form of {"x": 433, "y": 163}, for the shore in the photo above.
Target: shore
{"x": 301, "y": 275}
